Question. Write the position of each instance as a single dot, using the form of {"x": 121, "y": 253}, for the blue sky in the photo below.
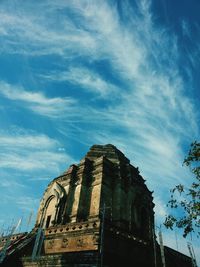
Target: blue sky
{"x": 83, "y": 72}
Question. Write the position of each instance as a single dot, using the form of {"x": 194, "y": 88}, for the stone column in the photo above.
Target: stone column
{"x": 77, "y": 191}
{"x": 69, "y": 186}
{"x": 73, "y": 215}
{"x": 96, "y": 188}
{"x": 85, "y": 193}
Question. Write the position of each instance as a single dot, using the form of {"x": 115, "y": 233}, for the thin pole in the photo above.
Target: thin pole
{"x": 8, "y": 242}
{"x": 192, "y": 254}
{"x": 20, "y": 225}
{"x": 162, "y": 247}
{"x": 176, "y": 240}
{"x": 37, "y": 246}
{"x": 102, "y": 235}
{"x": 154, "y": 246}
{"x": 29, "y": 221}
{"x": 2, "y": 230}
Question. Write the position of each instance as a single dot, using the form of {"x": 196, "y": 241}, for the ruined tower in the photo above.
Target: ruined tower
{"x": 102, "y": 201}
{"x": 98, "y": 213}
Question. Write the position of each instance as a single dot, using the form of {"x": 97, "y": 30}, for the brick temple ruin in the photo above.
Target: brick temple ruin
{"x": 97, "y": 213}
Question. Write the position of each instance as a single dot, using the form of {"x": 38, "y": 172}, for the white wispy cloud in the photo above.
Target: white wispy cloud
{"x": 37, "y": 102}
{"x": 86, "y": 78}
{"x": 31, "y": 141}
{"x": 26, "y": 203}
{"x": 27, "y": 33}
{"x": 5, "y": 183}
{"x": 160, "y": 210}
{"x": 153, "y": 111}
{"x": 185, "y": 28}
{"x": 25, "y": 157}
{"x": 31, "y": 152}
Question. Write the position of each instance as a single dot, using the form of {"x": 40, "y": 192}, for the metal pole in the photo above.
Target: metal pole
{"x": 20, "y": 224}
{"x": 154, "y": 245}
{"x": 192, "y": 255}
{"x": 38, "y": 244}
{"x": 8, "y": 242}
{"x": 102, "y": 235}
{"x": 176, "y": 240}
{"x": 162, "y": 247}
{"x": 29, "y": 220}
{"x": 2, "y": 230}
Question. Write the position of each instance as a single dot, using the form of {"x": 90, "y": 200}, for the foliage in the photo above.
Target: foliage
{"x": 187, "y": 199}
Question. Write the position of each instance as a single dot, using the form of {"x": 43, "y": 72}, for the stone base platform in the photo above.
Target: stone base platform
{"x": 86, "y": 259}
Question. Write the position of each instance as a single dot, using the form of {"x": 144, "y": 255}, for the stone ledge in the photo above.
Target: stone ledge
{"x": 72, "y": 227}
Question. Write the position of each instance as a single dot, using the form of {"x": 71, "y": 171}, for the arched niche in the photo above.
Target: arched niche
{"x": 50, "y": 212}
{"x": 51, "y": 207}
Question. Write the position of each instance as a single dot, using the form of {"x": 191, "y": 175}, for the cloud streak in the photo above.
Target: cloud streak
{"x": 37, "y": 102}
{"x": 25, "y": 156}
{"x": 85, "y": 78}
{"x": 31, "y": 152}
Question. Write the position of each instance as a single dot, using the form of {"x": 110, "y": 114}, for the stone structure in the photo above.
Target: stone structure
{"x": 99, "y": 213}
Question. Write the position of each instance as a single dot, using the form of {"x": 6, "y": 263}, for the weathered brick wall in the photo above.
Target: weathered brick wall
{"x": 72, "y": 237}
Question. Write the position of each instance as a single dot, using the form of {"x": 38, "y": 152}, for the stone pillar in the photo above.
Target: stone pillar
{"x": 69, "y": 185}
{"x": 107, "y": 188}
{"x": 85, "y": 194}
{"x": 96, "y": 188}
{"x": 77, "y": 191}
